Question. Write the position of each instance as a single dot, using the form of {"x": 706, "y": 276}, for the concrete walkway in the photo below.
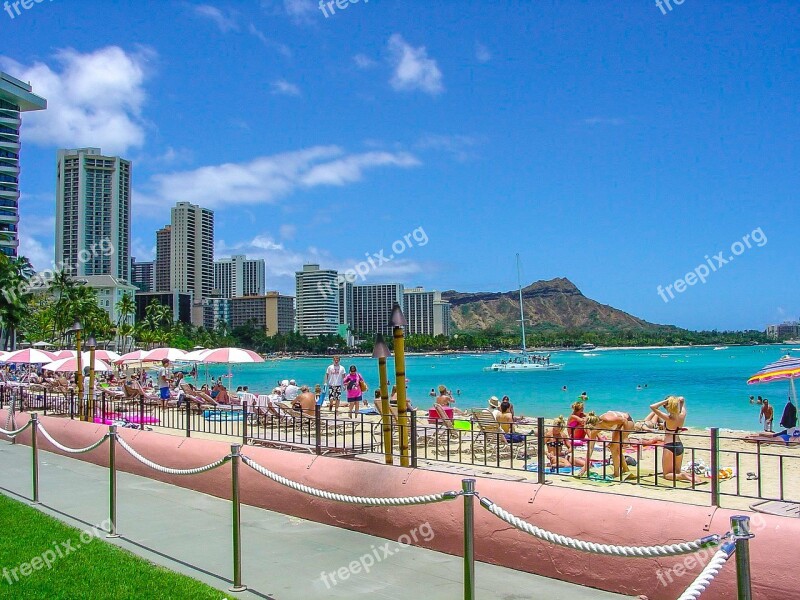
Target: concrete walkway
{"x": 284, "y": 557}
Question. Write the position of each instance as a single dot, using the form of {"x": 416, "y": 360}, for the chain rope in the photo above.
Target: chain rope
{"x": 68, "y": 450}
{"x": 707, "y": 575}
{"x": 595, "y": 548}
{"x": 170, "y": 470}
{"x": 362, "y": 500}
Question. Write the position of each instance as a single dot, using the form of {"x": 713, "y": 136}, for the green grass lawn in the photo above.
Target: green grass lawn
{"x": 82, "y": 565}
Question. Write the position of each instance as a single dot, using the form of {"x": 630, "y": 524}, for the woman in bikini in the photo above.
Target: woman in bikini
{"x": 674, "y": 418}
{"x": 559, "y": 446}
{"x": 621, "y": 425}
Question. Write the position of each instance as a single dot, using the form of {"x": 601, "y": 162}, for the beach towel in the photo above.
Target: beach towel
{"x": 534, "y": 467}
{"x": 368, "y": 411}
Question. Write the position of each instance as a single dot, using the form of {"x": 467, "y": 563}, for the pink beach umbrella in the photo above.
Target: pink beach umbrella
{"x": 106, "y": 355}
{"x": 196, "y": 355}
{"x": 30, "y": 356}
{"x": 131, "y": 357}
{"x": 231, "y": 355}
{"x": 160, "y": 354}
{"x": 70, "y": 365}
{"x": 59, "y": 354}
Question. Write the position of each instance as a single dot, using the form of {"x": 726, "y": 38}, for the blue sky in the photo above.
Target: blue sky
{"x": 605, "y": 142}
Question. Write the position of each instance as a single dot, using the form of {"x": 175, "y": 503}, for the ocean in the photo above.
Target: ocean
{"x": 714, "y": 382}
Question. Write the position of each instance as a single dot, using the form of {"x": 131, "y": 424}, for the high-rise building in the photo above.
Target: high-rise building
{"x": 93, "y": 213}
{"x": 426, "y": 312}
{"x": 192, "y": 254}
{"x": 179, "y": 304}
{"x": 237, "y": 276}
{"x": 272, "y": 312}
{"x": 163, "y": 264}
{"x": 216, "y": 313}
{"x": 372, "y": 307}
{"x": 317, "y": 301}
{"x": 15, "y": 98}
{"x": 143, "y": 275}
{"x": 345, "y": 302}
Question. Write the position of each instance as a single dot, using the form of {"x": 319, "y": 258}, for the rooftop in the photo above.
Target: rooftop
{"x": 20, "y": 93}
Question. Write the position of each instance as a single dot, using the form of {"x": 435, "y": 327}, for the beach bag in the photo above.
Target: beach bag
{"x": 363, "y": 385}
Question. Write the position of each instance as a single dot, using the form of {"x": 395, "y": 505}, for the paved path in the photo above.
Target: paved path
{"x": 284, "y": 557}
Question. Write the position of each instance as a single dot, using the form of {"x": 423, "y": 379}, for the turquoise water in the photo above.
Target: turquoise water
{"x": 714, "y": 382}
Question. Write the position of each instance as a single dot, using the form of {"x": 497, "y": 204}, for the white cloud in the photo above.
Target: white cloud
{"x": 604, "y": 121}
{"x": 299, "y": 11}
{"x": 461, "y": 147}
{"x": 413, "y": 70}
{"x": 270, "y": 43}
{"x": 281, "y": 87}
{"x": 364, "y": 62}
{"x": 482, "y": 53}
{"x": 143, "y": 251}
{"x": 40, "y": 256}
{"x": 288, "y": 231}
{"x": 266, "y": 179}
{"x": 225, "y": 22}
{"x": 95, "y": 99}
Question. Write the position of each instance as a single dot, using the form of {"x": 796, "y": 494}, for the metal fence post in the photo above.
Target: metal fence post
{"x": 141, "y": 412}
{"x": 715, "y": 466}
{"x": 413, "y": 439}
{"x": 740, "y": 526}
{"x": 112, "y": 481}
{"x": 244, "y": 423}
{"x": 237, "y": 521}
{"x": 35, "y": 449}
{"x": 317, "y": 430}
{"x": 188, "y": 418}
{"x": 45, "y": 402}
{"x": 468, "y": 488}
{"x": 540, "y": 449}
{"x": 71, "y": 404}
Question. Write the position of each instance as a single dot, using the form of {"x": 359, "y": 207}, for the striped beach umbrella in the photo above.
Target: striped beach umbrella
{"x": 31, "y": 356}
{"x": 59, "y": 354}
{"x": 70, "y": 365}
{"x": 160, "y": 354}
{"x": 231, "y": 355}
{"x": 787, "y": 367}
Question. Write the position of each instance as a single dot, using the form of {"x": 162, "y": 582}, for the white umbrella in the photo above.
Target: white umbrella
{"x": 30, "y": 356}
{"x": 3, "y": 356}
{"x": 231, "y": 355}
{"x": 196, "y": 355}
{"x": 42, "y": 345}
{"x": 70, "y": 365}
{"x": 106, "y": 355}
{"x": 160, "y": 354}
{"x": 135, "y": 356}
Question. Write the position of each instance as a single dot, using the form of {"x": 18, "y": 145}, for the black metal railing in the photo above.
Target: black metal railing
{"x": 712, "y": 464}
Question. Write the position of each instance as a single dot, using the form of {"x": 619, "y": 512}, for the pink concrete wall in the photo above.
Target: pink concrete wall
{"x": 588, "y": 515}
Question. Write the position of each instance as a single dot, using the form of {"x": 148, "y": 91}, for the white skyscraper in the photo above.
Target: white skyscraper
{"x": 93, "y": 211}
{"x": 317, "y": 301}
{"x": 237, "y": 277}
{"x": 426, "y": 312}
{"x": 15, "y": 98}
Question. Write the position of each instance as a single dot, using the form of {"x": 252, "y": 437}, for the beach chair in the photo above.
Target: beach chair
{"x": 493, "y": 441}
{"x": 445, "y": 439}
{"x": 199, "y": 402}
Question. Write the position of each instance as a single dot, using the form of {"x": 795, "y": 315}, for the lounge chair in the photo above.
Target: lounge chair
{"x": 493, "y": 439}
{"x": 445, "y": 439}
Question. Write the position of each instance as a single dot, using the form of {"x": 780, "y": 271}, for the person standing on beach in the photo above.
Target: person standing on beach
{"x": 164, "y": 379}
{"x": 674, "y": 419}
{"x": 354, "y": 388}
{"x": 767, "y": 414}
{"x": 334, "y": 377}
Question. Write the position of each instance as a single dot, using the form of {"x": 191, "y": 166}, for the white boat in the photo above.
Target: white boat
{"x": 524, "y": 361}
{"x": 721, "y": 348}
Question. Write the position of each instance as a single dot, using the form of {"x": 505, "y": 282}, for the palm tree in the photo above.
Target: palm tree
{"x": 126, "y": 308}
{"x": 14, "y": 274}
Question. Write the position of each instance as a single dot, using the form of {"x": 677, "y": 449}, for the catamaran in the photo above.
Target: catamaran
{"x": 524, "y": 360}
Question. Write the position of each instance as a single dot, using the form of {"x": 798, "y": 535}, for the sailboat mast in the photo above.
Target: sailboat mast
{"x": 521, "y": 310}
